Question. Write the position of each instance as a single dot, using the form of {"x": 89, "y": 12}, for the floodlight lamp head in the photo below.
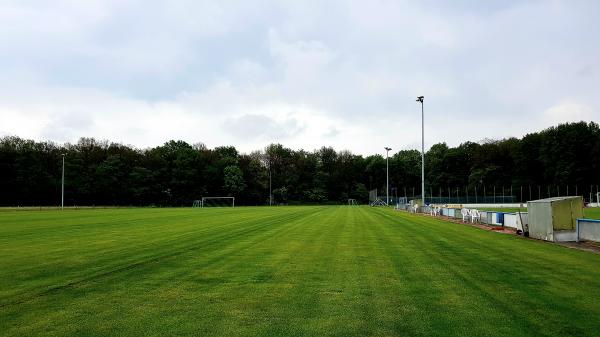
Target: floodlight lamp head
{"x": 420, "y": 99}
{"x": 388, "y": 148}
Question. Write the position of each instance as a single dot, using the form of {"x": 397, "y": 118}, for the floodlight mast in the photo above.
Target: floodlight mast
{"x": 62, "y": 196}
{"x": 270, "y": 185}
{"x": 420, "y": 99}
{"x": 387, "y": 175}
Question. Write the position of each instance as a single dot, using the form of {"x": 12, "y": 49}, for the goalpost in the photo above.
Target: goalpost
{"x": 375, "y": 200}
{"x": 214, "y": 202}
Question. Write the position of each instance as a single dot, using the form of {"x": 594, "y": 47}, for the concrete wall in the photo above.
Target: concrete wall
{"x": 564, "y": 235}
{"x": 588, "y": 230}
{"x": 513, "y": 220}
{"x": 510, "y": 220}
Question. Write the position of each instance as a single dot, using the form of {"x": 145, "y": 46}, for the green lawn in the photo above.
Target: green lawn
{"x": 285, "y": 271}
{"x": 592, "y": 213}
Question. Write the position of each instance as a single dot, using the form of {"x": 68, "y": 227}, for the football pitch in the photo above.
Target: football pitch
{"x": 285, "y": 271}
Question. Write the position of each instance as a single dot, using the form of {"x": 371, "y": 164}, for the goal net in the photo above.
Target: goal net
{"x": 375, "y": 200}
{"x": 215, "y": 202}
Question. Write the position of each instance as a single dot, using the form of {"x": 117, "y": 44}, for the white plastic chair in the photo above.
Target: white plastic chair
{"x": 466, "y": 214}
{"x": 475, "y": 215}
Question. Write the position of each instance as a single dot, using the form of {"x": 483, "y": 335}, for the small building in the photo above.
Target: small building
{"x": 554, "y": 219}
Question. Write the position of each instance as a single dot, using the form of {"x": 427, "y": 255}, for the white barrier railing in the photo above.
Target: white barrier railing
{"x": 587, "y": 229}
{"x": 511, "y": 220}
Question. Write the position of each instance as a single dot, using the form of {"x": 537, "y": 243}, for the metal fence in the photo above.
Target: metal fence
{"x": 495, "y": 194}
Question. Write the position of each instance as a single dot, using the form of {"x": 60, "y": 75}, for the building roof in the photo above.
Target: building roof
{"x": 555, "y": 199}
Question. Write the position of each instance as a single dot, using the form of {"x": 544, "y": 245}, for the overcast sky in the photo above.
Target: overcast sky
{"x": 301, "y": 73}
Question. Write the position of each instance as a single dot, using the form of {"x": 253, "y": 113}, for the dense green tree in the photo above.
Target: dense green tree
{"x": 233, "y": 180}
{"x": 175, "y": 173}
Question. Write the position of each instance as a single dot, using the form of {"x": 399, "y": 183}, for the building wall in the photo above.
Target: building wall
{"x": 540, "y": 220}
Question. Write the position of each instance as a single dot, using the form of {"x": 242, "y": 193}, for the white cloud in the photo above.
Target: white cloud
{"x": 568, "y": 112}
{"x": 305, "y": 74}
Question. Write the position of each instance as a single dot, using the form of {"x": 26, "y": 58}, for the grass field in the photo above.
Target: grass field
{"x": 285, "y": 271}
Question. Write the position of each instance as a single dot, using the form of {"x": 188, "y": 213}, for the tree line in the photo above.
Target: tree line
{"x": 176, "y": 173}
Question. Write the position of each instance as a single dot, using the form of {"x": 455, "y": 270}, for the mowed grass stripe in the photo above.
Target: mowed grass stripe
{"x": 173, "y": 273}
{"x": 538, "y": 295}
{"x": 307, "y": 271}
{"x": 66, "y": 269}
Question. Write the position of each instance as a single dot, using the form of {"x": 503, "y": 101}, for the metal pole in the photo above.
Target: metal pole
{"x": 420, "y": 99}
{"x": 270, "y": 185}
{"x": 62, "y": 197}
{"x": 423, "y": 151}
{"x": 387, "y": 175}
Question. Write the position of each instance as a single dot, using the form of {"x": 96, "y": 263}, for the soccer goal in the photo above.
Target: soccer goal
{"x": 215, "y": 202}
{"x": 375, "y": 200}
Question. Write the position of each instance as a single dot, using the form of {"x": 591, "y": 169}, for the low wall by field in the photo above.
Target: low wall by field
{"x": 513, "y": 220}
{"x": 588, "y": 230}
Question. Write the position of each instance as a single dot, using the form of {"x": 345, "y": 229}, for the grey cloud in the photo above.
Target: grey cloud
{"x": 67, "y": 126}
{"x": 480, "y": 65}
{"x": 261, "y": 127}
